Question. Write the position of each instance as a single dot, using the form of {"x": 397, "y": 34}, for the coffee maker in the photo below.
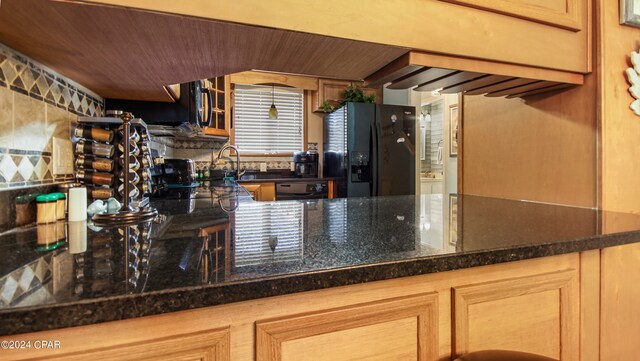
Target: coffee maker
{"x": 306, "y": 164}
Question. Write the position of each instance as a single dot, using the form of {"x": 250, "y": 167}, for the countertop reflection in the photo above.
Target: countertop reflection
{"x": 224, "y": 247}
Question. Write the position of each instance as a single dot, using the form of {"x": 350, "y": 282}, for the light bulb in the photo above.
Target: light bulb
{"x": 273, "y": 112}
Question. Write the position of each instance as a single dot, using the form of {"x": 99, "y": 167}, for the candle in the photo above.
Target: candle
{"x": 77, "y": 204}
{"x": 77, "y": 237}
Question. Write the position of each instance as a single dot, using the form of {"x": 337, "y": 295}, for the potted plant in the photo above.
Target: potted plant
{"x": 351, "y": 94}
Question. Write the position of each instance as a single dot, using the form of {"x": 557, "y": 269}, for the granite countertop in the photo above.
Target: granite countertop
{"x": 284, "y": 179}
{"x": 219, "y": 246}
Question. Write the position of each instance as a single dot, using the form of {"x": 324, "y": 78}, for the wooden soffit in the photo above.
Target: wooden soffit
{"x": 133, "y": 54}
{"x": 429, "y": 72}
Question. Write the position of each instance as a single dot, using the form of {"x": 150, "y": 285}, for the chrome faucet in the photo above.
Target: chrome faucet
{"x": 229, "y": 146}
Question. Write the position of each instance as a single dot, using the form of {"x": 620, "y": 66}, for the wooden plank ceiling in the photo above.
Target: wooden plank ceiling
{"x": 429, "y": 72}
{"x": 131, "y": 54}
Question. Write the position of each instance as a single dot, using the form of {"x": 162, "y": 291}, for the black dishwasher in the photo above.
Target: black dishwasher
{"x": 301, "y": 190}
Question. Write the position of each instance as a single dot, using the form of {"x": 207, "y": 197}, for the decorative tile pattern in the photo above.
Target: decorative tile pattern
{"x": 247, "y": 165}
{"x": 20, "y": 168}
{"x": 189, "y": 144}
{"x": 25, "y": 76}
{"x": 27, "y": 168}
{"x": 25, "y": 280}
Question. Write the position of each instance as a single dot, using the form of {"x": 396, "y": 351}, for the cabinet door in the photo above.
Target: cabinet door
{"x": 374, "y": 91}
{"x": 254, "y": 190}
{"x": 267, "y": 192}
{"x": 537, "y": 314}
{"x": 402, "y": 328}
{"x": 219, "y": 104}
{"x": 330, "y": 91}
{"x": 200, "y": 346}
{"x": 566, "y": 14}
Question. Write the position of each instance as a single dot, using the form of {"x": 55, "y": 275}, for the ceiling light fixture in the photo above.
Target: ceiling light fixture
{"x": 273, "y": 112}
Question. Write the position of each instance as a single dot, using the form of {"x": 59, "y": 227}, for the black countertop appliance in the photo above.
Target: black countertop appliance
{"x": 177, "y": 173}
{"x": 306, "y": 164}
{"x": 195, "y": 106}
{"x": 370, "y": 149}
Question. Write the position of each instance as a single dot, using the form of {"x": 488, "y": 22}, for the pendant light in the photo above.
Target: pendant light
{"x": 273, "y": 112}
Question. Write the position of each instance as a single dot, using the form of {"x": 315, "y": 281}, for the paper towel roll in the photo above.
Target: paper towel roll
{"x": 77, "y": 237}
{"x": 77, "y": 204}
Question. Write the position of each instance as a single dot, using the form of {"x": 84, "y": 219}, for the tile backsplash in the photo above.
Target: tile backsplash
{"x": 36, "y": 105}
{"x": 202, "y": 158}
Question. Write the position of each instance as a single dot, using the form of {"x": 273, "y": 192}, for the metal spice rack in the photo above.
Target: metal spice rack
{"x": 134, "y": 207}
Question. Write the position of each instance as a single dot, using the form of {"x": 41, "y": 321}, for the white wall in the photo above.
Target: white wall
{"x": 450, "y": 163}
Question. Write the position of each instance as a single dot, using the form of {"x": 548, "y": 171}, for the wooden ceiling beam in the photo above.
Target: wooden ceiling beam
{"x": 556, "y": 87}
{"x": 492, "y": 67}
{"x": 522, "y": 89}
{"x": 421, "y": 76}
{"x": 453, "y": 78}
{"x": 475, "y": 83}
{"x": 500, "y": 86}
{"x": 392, "y": 71}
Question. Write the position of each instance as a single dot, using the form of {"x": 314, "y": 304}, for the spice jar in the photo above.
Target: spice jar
{"x": 101, "y": 193}
{"x": 101, "y": 164}
{"x": 46, "y": 234}
{"x": 84, "y": 131}
{"x": 60, "y": 204}
{"x": 95, "y": 177}
{"x": 133, "y": 149}
{"x": 133, "y": 134}
{"x": 99, "y": 149}
{"x": 47, "y": 206}
{"x": 25, "y": 209}
{"x": 61, "y": 233}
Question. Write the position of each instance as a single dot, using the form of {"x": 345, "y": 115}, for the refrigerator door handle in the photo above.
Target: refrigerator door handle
{"x": 374, "y": 160}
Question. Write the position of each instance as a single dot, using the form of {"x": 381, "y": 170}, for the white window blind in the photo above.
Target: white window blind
{"x": 337, "y": 220}
{"x": 257, "y": 223}
{"x": 336, "y": 123}
{"x": 255, "y": 132}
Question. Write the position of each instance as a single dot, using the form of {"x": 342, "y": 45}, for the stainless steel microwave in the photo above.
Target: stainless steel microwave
{"x": 195, "y": 106}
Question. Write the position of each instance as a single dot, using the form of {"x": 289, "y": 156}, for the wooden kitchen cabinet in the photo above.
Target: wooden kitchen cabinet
{"x": 537, "y": 314}
{"x": 221, "y": 106}
{"x": 331, "y": 91}
{"x": 262, "y": 192}
{"x": 211, "y": 345}
{"x": 403, "y": 328}
{"x": 540, "y": 305}
{"x": 377, "y": 91}
{"x": 566, "y": 14}
{"x": 254, "y": 190}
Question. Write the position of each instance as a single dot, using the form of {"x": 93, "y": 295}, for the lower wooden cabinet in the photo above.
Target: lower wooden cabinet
{"x": 404, "y": 328}
{"x": 200, "y": 346}
{"x": 264, "y": 192}
{"x": 254, "y": 190}
{"x": 537, "y": 314}
{"x": 541, "y": 305}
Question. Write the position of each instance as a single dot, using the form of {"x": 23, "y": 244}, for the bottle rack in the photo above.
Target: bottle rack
{"x": 131, "y": 161}
{"x": 116, "y": 261}
{"x": 95, "y": 166}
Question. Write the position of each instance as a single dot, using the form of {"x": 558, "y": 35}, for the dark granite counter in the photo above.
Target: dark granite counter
{"x": 219, "y": 246}
{"x": 283, "y": 179}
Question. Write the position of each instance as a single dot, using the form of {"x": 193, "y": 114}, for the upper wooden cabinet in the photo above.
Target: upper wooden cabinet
{"x": 329, "y": 91}
{"x": 286, "y": 36}
{"x": 565, "y": 14}
{"x": 554, "y": 34}
{"x": 332, "y": 91}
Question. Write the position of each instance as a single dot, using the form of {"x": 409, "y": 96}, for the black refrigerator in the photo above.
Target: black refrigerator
{"x": 369, "y": 149}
